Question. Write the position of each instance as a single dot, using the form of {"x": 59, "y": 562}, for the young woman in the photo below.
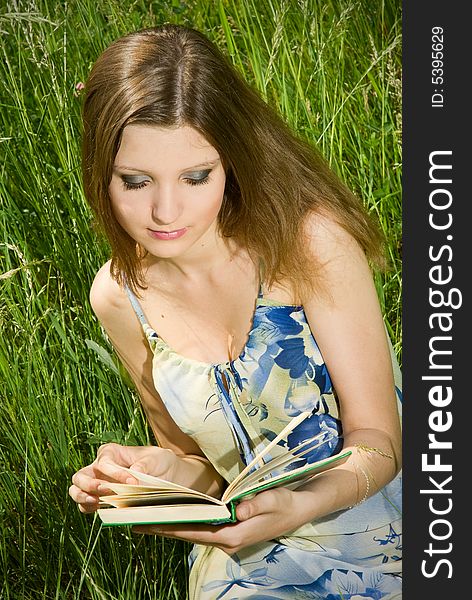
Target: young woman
{"x": 239, "y": 295}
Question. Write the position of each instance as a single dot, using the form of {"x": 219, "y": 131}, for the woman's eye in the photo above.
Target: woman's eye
{"x": 135, "y": 183}
{"x": 198, "y": 179}
{"x": 130, "y": 184}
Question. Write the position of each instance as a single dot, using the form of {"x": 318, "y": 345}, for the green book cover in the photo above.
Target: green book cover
{"x": 165, "y": 502}
{"x": 155, "y": 500}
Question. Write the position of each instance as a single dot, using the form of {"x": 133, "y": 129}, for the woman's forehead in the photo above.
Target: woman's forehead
{"x": 178, "y": 147}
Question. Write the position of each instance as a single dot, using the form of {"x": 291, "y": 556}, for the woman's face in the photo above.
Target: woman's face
{"x": 167, "y": 188}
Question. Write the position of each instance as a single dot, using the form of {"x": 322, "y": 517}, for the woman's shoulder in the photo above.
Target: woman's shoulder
{"x": 342, "y": 265}
{"x": 327, "y": 238}
{"x": 107, "y": 298}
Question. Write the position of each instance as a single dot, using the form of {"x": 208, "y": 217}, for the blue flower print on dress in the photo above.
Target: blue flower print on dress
{"x": 391, "y": 538}
{"x": 282, "y": 318}
{"x": 253, "y": 579}
{"x": 259, "y": 355}
{"x": 310, "y": 427}
{"x": 343, "y": 584}
{"x": 321, "y": 377}
{"x": 275, "y": 340}
{"x": 272, "y": 557}
{"x": 303, "y": 394}
{"x": 279, "y": 574}
{"x": 314, "y": 425}
{"x": 270, "y": 326}
{"x": 292, "y": 357}
{"x": 253, "y": 408}
{"x": 279, "y": 374}
{"x": 302, "y": 397}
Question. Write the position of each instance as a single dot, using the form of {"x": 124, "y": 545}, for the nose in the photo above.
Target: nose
{"x": 165, "y": 208}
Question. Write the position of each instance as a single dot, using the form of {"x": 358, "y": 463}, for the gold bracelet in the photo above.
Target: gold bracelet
{"x": 371, "y": 450}
{"x": 367, "y": 488}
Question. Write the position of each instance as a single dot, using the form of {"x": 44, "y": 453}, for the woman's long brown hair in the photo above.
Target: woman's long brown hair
{"x": 171, "y": 76}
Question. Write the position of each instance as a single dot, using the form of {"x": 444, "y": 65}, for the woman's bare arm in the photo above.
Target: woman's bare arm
{"x": 348, "y": 327}
{"x": 178, "y": 457}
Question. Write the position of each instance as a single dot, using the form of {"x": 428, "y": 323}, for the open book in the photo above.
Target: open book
{"x": 155, "y": 500}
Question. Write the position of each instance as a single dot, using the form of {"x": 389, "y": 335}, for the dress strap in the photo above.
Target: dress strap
{"x": 139, "y": 312}
{"x": 261, "y": 292}
{"x": 261, "y": 279}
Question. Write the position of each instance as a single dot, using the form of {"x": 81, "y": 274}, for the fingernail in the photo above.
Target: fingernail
{"x": 90, "y": 500}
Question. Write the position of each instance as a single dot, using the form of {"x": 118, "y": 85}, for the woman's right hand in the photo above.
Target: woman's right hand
{"x": 90, "y": 483}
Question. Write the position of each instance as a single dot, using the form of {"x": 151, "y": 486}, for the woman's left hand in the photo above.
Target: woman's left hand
{"x": 268, "y": 515}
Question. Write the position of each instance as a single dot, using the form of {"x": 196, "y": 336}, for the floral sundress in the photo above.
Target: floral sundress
{"x": 232, "y": 410}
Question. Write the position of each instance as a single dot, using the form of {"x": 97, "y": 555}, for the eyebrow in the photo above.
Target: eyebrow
{"x": 210, "y": 163}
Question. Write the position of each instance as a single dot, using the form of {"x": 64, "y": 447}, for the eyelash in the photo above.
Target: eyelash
{"x": 138, "y": 186}
{"x": 201, "y": 181}
{"x": 133, "y": 186}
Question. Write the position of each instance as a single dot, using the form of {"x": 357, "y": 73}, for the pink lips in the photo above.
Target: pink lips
{"x": 167, "y": 235}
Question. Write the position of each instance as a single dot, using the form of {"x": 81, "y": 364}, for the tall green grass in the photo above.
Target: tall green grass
{"x": 332, "y": 68}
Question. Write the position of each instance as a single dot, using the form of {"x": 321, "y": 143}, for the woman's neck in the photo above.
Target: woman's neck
{"x": 206, "y": 260}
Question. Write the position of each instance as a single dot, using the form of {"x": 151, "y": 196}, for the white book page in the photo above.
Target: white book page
{"x": 155, "y": 499}
{"x": 307, "y": 472}
{"x": 285, "y": 431}
{"x": 280, "y": 462}
{"x": 149, "y": 482}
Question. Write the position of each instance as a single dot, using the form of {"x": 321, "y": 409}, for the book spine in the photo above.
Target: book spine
{"x": 232, "y": 508}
